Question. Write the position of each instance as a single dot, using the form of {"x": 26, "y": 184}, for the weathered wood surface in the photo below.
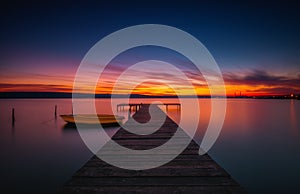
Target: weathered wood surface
{"x": 187, "y": 173}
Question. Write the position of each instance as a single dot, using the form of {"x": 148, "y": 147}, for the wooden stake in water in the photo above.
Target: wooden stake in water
{"x": 13, "y": 116}
{"x": 55, "y": 111}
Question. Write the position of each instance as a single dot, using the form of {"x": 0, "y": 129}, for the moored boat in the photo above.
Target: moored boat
{"x": 92, "y": 119}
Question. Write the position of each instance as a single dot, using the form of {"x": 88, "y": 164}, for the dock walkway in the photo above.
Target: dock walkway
{"x": 187, "y": 173}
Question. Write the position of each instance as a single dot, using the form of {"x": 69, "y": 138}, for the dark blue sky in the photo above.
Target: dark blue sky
{"x": 237, "y": 34}
{"x": 243, "y": 37}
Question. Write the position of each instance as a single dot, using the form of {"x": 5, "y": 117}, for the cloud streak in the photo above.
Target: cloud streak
{"x": 34, "y": 88}
{"x": 255, "y": 82}
{"x": 259, "y": 81}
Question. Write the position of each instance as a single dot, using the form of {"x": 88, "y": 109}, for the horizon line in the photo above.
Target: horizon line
{"x": 14, "y": 95}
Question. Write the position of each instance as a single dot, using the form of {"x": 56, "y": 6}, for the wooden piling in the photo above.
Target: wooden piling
{"x": 55, "y": 111}
{"x": 13, "y": 119}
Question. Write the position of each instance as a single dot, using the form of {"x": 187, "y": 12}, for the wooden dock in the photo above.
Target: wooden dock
{"x": 136, "y": 106}
{"x": 187, "y": 173}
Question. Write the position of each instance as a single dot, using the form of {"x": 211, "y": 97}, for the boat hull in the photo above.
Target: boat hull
{"x": 92, "y": 119}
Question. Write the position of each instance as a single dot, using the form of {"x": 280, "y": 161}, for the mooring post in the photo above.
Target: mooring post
{"x": 13, "y": 116}
{"x": 55, "y": 111}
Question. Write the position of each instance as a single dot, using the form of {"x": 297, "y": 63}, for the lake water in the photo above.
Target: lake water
{"x": 259, "y": 144}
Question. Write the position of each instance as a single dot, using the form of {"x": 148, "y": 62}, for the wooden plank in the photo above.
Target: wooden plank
{"x": 155, "y": 189}
{"x": 187, "y": 173}
{"x": 173, "y": 168}
{"x": 166, "y": 172}
{"x": 148, "y": 181}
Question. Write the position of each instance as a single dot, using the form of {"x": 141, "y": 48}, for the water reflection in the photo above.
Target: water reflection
{"x": 13, "y": 131}
{"x": 258, "y": 136}
{"x": 294, "y": 127}
{"x": 91, "y": 130}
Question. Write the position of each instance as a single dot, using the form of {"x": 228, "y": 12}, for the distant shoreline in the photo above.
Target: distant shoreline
{"x": 35, "y": 95}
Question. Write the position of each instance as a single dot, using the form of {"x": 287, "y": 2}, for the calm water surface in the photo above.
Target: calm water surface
{"x": 259, "y": 144}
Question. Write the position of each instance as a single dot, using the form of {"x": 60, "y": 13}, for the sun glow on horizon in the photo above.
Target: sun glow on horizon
{"x": 256, "y": 83}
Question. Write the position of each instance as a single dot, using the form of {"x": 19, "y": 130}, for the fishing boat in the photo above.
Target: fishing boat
{"x": 92, "y": 119}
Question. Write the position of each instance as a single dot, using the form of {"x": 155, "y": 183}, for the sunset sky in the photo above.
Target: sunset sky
{"x": 256, "y": 45}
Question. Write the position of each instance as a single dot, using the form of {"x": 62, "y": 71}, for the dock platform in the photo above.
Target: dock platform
{"x": 187, "y": 173}
{"x": 136, "y": 106}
